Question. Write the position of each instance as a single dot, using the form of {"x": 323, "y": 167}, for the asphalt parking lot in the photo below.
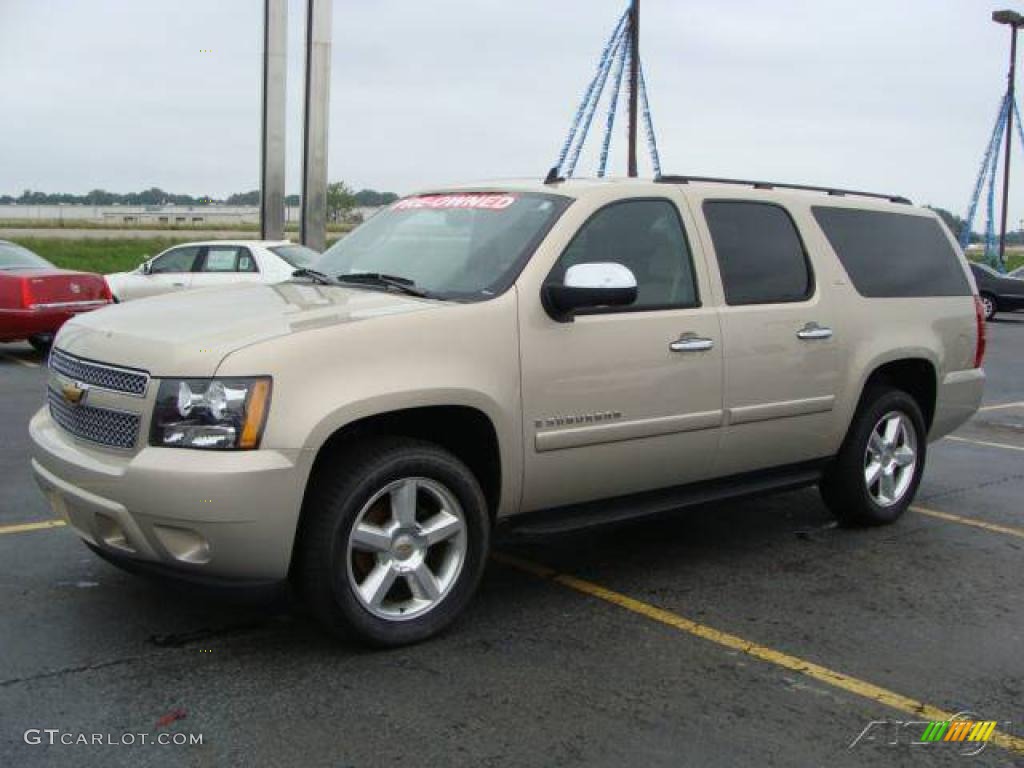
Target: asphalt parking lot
{"x": 750, "y": 633}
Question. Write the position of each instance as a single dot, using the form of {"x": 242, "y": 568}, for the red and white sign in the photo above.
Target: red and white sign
{"x": 482, "y": 202}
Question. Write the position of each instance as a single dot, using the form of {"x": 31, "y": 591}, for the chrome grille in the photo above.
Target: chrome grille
{"x": 99, "y": 375}
{"x": 102, "y": 426}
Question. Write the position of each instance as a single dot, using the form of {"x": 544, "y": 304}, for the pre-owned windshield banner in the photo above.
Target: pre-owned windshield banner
{"x": 475, "y": 201}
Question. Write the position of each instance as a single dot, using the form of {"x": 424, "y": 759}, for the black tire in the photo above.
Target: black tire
{"x": 343, "y": 485}
{"x": 844, "y": 487}
{"x": 990, "y": 304}
{"x": 41, "y": 342}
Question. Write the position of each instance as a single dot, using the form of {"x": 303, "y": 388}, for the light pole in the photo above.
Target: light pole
{"x": 1014, "y": 20}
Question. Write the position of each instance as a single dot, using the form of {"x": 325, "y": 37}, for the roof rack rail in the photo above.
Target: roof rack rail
{"x": 669, "y": 179}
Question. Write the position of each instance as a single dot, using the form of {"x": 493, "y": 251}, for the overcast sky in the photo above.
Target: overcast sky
{"x": 875, "y": 94}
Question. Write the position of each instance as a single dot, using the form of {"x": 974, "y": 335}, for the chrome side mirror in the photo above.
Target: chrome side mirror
{"x": 598, "y": 284}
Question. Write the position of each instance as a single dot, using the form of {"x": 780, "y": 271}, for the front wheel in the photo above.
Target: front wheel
{"x": 394, "y": 541}
{"x": 876, "y": 474}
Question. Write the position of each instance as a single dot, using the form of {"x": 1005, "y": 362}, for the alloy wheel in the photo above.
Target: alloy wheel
{"x": 890, "y": 459}
{"x": 406, "y": 548}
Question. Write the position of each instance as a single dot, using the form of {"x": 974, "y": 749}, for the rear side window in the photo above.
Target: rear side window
{"x": 760, "y": 254}
{"x": 893, "y": 255}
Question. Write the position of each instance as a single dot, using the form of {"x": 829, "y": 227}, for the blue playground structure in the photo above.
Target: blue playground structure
{"x": 618, "y": 52}
{"x": 986, "y": 182}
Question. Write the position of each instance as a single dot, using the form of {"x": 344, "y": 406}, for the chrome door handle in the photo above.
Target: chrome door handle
{"x": 691, "y": 342}
{"x": 178, "y": 285}
{"x": 813, "y": 331}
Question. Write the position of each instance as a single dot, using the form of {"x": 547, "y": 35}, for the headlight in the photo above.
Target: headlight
{"x": 214, "y": 414}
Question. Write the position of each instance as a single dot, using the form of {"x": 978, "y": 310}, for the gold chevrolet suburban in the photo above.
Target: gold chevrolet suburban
{"x": 547, "y": 355}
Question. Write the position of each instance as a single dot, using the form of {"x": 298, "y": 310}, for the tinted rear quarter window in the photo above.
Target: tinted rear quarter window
{"x": 893, "y": 255}
{"x": 760, "y": 254}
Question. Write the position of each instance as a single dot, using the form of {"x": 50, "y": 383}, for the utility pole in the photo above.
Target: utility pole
{"x": 634, "y": 80}
{"x": 313, "y": 213}
{"x": 272, "y": 129}
{"x": 1014, "y": 20}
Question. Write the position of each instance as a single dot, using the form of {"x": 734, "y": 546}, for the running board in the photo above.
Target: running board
{"x": 623, "y": 508}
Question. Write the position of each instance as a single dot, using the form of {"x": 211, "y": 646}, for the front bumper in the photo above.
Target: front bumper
{"x": 204, "y": 514}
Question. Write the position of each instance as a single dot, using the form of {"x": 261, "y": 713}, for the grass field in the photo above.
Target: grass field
{"x": 103, "y": 255}
{"x": 292, "y": 226}
{"x": 118, "y": 255}
{"x": 98, "y": 255}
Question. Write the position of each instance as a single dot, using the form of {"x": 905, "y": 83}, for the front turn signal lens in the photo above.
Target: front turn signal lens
{"x": 255, "y": 414}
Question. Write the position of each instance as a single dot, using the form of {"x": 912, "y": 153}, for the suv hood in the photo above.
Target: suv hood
{"x": 189, "y": 334}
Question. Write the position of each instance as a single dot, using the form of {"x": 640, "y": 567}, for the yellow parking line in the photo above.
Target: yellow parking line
{"x": 917, "y": 709}
{"x": 1001, "y": 406}
{"x": 994, "y": 527}
{"x": 985, "y": 443}
{"x": 26, "y": 363}
{"x": 26, "y": 527}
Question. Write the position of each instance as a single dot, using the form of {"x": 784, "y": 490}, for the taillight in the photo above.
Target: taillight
{"x": 105, "y": 293}
{"x": 979, "y": 321}
{"x": 27, "y": 299}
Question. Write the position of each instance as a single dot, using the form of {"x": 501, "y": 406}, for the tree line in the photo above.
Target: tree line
{"x": 156, "y": 196}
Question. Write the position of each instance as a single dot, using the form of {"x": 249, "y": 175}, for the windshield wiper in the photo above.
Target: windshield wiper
{"x": 312, "y": 274}
{"x": 401, "y": 284}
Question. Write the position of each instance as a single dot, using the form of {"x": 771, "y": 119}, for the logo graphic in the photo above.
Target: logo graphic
{"x": 962, "y": 733}
{"x": 76, "y": 288}
{"x": 959, "y": 730}
{"x": 74, "y": 394}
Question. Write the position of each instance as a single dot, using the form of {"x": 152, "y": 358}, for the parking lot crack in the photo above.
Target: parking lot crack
{"x": 69, "y": 671}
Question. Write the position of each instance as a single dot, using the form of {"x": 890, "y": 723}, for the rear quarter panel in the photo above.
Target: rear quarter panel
{"x": 939, "y": 329}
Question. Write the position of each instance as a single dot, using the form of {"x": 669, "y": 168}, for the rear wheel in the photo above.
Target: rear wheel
{"x": 988, "y": 303}
{"x": 876, "y": 474}
{"x": 394, "y": 543}
{"x": 41, "y": 342}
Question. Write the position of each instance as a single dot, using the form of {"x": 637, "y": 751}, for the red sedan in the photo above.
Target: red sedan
{"x": 36, "y": 297}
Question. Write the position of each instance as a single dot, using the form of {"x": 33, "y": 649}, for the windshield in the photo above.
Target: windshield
{"x": 453, "y": 246}
{"x": 298, "y": 256}
{"x": 15, "y": 257}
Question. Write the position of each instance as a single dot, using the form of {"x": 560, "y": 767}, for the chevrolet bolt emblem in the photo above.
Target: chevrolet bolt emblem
{"x": 74, "y": 394}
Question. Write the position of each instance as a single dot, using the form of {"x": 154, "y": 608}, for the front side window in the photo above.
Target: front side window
{"x": 647, "y": 237}
{"x": 760, "y": 254}
{"x": 176, "y": 260}
{"x": 457, "y": 246}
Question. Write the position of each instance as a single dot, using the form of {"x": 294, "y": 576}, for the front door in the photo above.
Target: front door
{"x": 623, "y": 399}
{"x": 169, "y": 272}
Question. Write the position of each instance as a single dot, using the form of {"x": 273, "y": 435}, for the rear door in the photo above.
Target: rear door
{"x": 782, "y": 364}
{"x": 225, "y": 265}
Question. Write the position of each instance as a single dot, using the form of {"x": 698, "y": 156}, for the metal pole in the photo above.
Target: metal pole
{"x": 634, "y": 81}
{"x": 1011, "y": 77}
{"x": 272, "y": 129}
{"x": 313, "y": 213}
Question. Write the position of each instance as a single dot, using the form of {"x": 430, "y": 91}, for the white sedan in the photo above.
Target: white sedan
{"x": 205, "y": 265}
